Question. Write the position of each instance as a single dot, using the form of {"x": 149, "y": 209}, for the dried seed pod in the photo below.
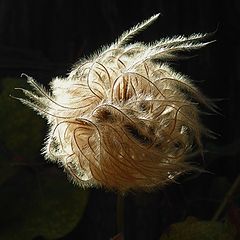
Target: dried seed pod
{"x": 123, "y": 119}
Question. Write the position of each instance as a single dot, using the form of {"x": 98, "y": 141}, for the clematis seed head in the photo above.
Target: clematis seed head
{"x": 123, "y": 119}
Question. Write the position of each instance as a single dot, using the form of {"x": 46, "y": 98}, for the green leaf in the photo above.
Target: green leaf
{"x": 40, "y": 203}
{"x": 191, "y": 229}
{"x": 36, "y": 198}
{"x": 23, "y": 131}
{"x": 21, "y": 134}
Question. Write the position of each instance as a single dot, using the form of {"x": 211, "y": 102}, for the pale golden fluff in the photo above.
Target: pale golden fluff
{"x": 123, "y": 119}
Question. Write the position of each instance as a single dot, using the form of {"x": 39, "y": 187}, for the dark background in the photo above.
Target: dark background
{"x": 44, "y": 38}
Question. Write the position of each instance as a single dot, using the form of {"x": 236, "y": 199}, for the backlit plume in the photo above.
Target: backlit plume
{"x": 123, "y": 119}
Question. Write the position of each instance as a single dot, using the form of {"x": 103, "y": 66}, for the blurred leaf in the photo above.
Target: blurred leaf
{"x": 6, "y": 172}
{"x": 42, "y": 203}
{"x": 36, "y": 199}
{"x": 22, "y": 132}
{"x": 192, "y": 228}
{"x": 233, "y": 217}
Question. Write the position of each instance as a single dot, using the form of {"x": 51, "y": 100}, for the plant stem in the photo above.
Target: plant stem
{"x": 227, "y": 198}
{"x": 120, "y": 212}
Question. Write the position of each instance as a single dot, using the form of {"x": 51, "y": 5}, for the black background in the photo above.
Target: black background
{"x": 44, "y": 38}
